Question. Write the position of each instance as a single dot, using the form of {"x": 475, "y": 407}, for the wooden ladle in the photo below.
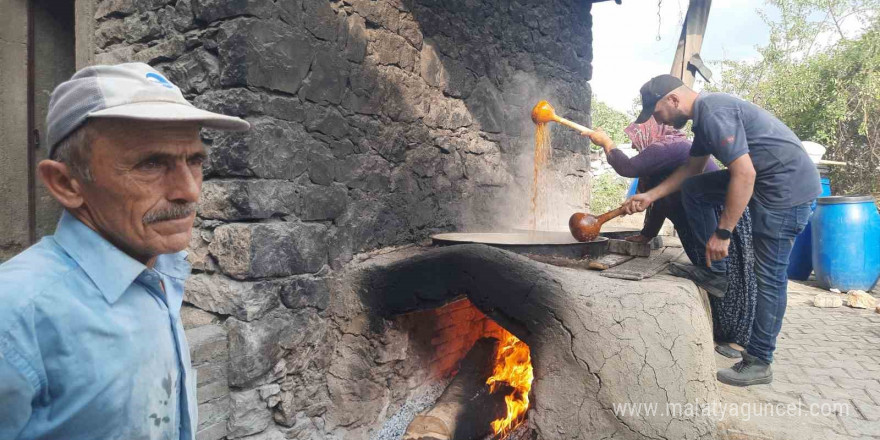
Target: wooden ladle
{"x": 585, "y": 227}
{"x": 543, "y": 113}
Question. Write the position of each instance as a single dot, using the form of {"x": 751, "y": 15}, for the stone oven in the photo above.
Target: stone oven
{"x": 313, "y": 311}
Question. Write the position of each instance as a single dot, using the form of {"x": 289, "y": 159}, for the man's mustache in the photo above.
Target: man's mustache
{"x": 175, "y": 212}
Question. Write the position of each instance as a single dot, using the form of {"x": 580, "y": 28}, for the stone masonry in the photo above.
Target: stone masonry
{"x": 375, "y": 124}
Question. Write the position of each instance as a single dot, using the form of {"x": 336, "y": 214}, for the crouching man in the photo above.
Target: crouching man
{"x": 91, "y": 344}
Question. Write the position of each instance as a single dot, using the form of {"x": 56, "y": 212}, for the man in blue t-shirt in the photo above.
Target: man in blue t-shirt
{"x": 768, "y": 170}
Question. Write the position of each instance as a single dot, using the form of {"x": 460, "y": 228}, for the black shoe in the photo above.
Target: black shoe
{"x": 727, "y": 351}
{"x": 749, "y": 371}
{"x": 714, "y": 283}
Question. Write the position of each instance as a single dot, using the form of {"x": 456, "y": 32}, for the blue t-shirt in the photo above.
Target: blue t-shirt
{"x": 728, "y": 127}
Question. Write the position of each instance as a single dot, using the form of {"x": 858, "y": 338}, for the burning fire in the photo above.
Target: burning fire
{"x": 513, "y": 366}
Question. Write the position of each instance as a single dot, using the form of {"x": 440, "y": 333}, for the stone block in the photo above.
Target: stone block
{"x": 355, "y": 39}
{"x": 322, "y": 202}
{"x": 215, "y": 372}
{"x": 233, "y": 102}
{"x": 213, "y": 10}
{"x": 392, "y": 50}
{"x": 273, "y": 433}
{"x": 109, "y": 32}
{"x": 328, "y": 78}
{"x": 213, "y": 412}
{"x": 305, "y": 291}
{"x": 207, "y": 344}
{"x": 270, "y": 249}
{"x": 248, "y": 414}
{"x": 271, "y": 149}
{"x": 197, "y": 252}
{"x": 168, "y": 49}
{"x": 194, "y": 72}
{"x": 256, "y": 347}
{"x": 211, "y": 391}
{"x": 264, "y": 54}
{"x": 193, "y": 317}
{"x": 860, "y": 299}
{"x": 827, "y": 300}
{"x": 104, "y": 8}
{"x": 142, "y": 27}
{"x": 240, "y": 199}
{"x": 244, "y": 300}
{"x": 487, "y": 106}
{"x": 319, "y": 19}
{"x": 215, "y": 431}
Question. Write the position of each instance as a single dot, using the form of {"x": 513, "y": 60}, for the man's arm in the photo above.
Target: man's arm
{"x": 640, "y": 202}
{"x": 16, "y": 395}
{"x": 739, "y": 192}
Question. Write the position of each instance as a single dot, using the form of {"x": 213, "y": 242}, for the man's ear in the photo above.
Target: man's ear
{"x": 58, "y": 180}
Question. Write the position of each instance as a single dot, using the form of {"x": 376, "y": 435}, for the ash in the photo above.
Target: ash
{"x": 422, "y": 400}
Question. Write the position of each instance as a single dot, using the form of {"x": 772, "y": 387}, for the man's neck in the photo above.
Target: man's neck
{"x": 689, "y": 103}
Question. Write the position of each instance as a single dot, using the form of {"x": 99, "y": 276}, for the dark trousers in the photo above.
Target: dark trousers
{"x": 774, "y": 231}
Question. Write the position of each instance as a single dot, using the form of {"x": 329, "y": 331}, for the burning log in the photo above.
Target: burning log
{"x": 467, "y": 407}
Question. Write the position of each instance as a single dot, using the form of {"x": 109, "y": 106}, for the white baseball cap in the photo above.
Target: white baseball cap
{"x": 129, "y": 91}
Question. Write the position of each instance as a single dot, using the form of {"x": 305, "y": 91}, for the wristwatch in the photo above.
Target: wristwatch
{"x": 722, "y": 233}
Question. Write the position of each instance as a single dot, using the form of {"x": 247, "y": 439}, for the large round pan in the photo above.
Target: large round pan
{"x": 553, "y": 244}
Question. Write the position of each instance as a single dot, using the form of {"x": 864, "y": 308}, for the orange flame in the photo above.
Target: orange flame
{"x": 513, "y": 366}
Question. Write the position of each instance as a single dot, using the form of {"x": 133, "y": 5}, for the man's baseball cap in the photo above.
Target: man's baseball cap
{"x": 653, "y": 91}
{"x": 127, "y": 91}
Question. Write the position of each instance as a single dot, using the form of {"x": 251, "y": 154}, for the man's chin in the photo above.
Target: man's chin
{"x": 173, "y": 235}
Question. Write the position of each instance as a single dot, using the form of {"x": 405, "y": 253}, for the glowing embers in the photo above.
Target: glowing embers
{"x": 513, "y": 369}
{"x": 543, "y": 152}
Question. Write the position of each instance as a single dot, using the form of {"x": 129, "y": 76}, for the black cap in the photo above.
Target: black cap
{"x": 653, "y": 91}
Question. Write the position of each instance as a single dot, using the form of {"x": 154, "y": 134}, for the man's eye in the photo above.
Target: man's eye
{"x": 196, "y": 161}
{"x": 150, "y": 164}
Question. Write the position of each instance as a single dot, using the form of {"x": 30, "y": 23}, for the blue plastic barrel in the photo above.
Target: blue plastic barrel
{"x": 846, "y": 243}
{"x": 800, "y": 264}
{"x": 633, "y": 188}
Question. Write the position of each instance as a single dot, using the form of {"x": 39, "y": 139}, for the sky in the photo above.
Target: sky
{"x": 626, "y": 52}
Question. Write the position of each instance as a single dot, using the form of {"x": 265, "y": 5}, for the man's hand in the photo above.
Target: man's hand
{"x": 716, "y": 249}
{"x": 638, "y": 203}
{"x": 600, "y": 138}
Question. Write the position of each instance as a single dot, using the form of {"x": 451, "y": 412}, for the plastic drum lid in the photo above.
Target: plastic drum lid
{"x": 833, "y": 200}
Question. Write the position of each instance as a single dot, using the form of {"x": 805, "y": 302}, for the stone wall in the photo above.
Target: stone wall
{"x": 375, "y": 124}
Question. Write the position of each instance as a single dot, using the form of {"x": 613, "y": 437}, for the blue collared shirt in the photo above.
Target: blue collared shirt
{"x": 91, "y": 343}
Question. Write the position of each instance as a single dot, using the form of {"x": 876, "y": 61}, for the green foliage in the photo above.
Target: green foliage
{"x": 608, "y": 192}
{"x": 827, "y": 93}
{"x": 610, "y": 120}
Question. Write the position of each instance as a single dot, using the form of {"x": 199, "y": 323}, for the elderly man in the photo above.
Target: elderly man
{"x": 768, "y": 170}
{"x": 91, "y": 344}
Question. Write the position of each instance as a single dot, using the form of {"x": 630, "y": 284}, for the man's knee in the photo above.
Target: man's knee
{"x": 690, "y": 190}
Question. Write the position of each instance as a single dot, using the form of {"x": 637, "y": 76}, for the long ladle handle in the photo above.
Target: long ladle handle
{"x": 571, "y": 124}
{"x": 611, "y": 214}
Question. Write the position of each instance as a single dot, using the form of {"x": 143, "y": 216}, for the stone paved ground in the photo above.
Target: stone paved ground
{"x": 827, "y": 359}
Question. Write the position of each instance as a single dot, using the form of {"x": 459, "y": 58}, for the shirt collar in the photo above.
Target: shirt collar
{"x": 109, "y": 268}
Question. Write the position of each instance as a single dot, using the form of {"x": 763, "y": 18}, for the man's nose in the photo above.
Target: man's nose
{"x": 185, "y": 183}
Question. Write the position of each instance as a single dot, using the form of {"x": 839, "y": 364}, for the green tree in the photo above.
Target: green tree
{"x": 610, "y": 120}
